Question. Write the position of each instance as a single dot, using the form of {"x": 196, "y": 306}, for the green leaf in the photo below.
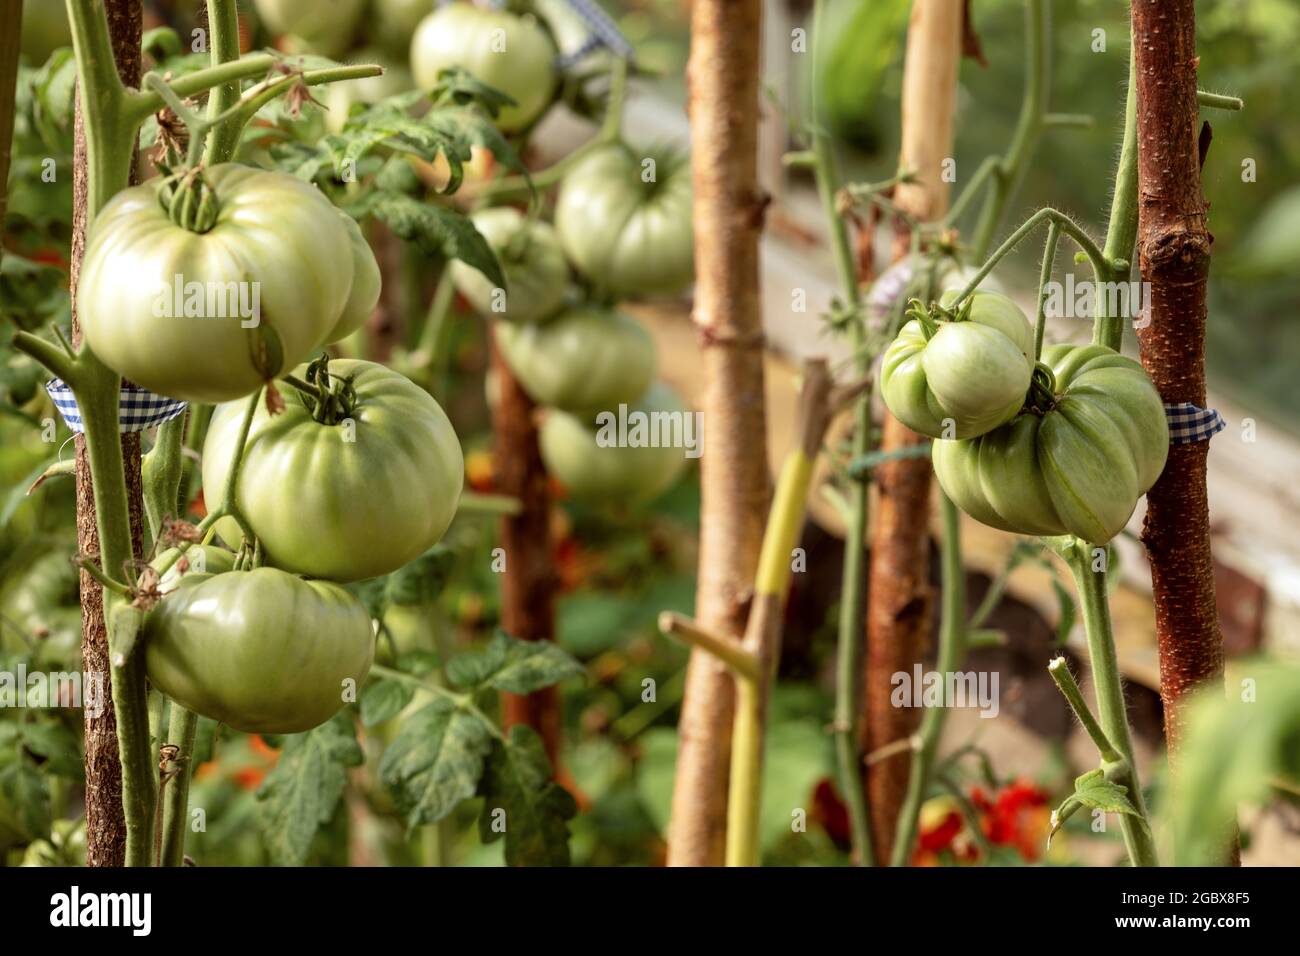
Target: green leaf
{"x": 421, "y": 581}
{"x": 31, "y": 293}
{"x": 436, "y": 761}
{"x": 456, "y": 85}
{"x": 58, "y": 745}
{"x": 24, "y": 800}
{"x": 517, "y": 667}
{"x": 436, "y": 229}
{"x": 1094, "y": 791}
{"x": 382, "y": 700}
{"x": 301, "y": 794}
{"x": 521, "y": 802}
{"x": 161, "y": 43}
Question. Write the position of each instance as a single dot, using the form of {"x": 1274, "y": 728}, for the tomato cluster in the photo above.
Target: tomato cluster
{"x": 1065, "y": 445}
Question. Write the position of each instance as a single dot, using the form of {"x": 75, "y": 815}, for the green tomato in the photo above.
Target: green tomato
{"x": 45, "y": 28}
{"x": 534, "y": 265}
{"x": 366, "y": 282}
{"x": 583, "y": 454}
{"x": 626, "y": 225}
{"x": 392, "y": 22}
{"x": 321, "y": 27}
{"x": 368, "y": 90}
{"x": 583, "y": 360}
{"x": 343, "y": 501}
{"x": 261, "y": 651}
{"x": 964, "y": 378}
{"x": 278, "y": 244}
{"x": 512, "y": 53}
{"x": 1078, "y": 468}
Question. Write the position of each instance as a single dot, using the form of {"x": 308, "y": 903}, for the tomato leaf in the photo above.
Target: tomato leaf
{"x": 383, "y": 700}
{"x": 24, "y": 799}
{"x": 301, "y": 794}
{"x": 57, "y": 745}
{"x": 438, "y": 229}
{"x": 522, "y": 803}
{"x": 517, "y": 667}
{"x": 436, "y": 761}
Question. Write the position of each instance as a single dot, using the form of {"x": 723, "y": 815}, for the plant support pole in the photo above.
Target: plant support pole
{"x": 734, "y": 481}
{"x": 898, "y": 602}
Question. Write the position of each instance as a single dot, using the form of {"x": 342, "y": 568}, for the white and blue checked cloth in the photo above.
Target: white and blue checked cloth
{"x": 138, "y": 409}
{"x": 1190, "y": 423}
{"x": 601, "y": 32}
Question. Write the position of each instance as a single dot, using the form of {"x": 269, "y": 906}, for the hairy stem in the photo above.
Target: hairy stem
{"x": 851, "y": 631}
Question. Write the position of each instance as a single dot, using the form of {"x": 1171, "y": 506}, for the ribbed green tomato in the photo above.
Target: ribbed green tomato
{"x": 583, "y": 360}
{"x": 584, "y": 455}
{"x": 626, "y": 224}
{"x": 1078, "y": 468}
{"x": 512, "y": 53}
{"x": 963, "y": 378}
{"x": 366, "y": 283}
{"x": 261, "y": 651}
{"x": 173, "y": 310}
{"x": 322, "y": 27}
{"x": 343, "y": 501}
{"x": 534, "y": 265}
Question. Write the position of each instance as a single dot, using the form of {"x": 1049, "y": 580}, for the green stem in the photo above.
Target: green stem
{"x": 852, "y": 633}
{"x": 1045, "y": 276}
{"x": 160, "y": 473}
{"x": 1060, "y": 673}
{"x": 1121, "y": 228}
{"x": 223, "y": 44}
{"x": 952, "y": 651}
{"x": 1011, "y": 169}
{"x": 1109, "y": 689}
{"x": 182, "y": 733}
{"x": 229, "y": 503}
{"x": 1047, "y": 214}
{"x": 110, "y": 134}
{"x": 139, "y": 787}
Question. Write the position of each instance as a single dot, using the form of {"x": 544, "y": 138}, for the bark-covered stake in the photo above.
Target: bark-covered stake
{"x": 734, "y": 481}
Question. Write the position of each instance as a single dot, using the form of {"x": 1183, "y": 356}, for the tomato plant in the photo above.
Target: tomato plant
{"x": 348, "y": 484}
{"x": 585, "y": 359}
{"x": 210, "y": 316}
{"x": 1074, "y": 462}
{"x": 512, "y": 53}
{"x": 261, "y": 651}
{"x": 962, "y": 378}
{"x": 625, "y": 221}
{"x": 534, "y": 265}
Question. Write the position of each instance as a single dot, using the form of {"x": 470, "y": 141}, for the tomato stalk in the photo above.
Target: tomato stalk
{"x": 852, "y": 592}
{"x": 1091, "y": 585}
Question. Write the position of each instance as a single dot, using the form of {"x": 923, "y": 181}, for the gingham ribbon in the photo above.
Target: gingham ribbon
{"x": 601, "y": 32}
{"x": 1190, "y": 423}
{"x": 138, "y": 409}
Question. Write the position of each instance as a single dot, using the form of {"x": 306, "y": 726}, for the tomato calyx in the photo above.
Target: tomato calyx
{"x": 329, "y": 399}
{"x": 189, "y": 199}
{"x": 929, "y": 318}
{"x": 1041, "y": 398}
